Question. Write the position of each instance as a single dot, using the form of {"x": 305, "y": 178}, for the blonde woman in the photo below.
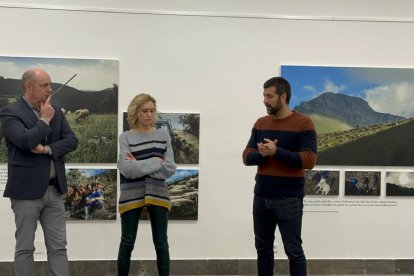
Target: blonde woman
{"x": 146, "y": 159}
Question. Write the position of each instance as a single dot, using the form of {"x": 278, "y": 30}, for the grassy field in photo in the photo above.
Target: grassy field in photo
{"x": 3, "y": 152}
{"x": 97, "y": 135}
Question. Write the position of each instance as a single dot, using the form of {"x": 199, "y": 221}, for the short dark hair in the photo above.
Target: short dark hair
{"x": 281, "y": 85}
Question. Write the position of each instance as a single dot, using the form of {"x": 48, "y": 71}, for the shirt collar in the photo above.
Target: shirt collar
{"x": 30, "y": 104}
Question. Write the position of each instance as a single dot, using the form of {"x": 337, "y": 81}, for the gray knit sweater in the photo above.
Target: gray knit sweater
{"x": 143, "y": 179}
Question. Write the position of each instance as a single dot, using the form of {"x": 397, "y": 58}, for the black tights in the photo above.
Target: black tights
{"x": 129, "y": 224}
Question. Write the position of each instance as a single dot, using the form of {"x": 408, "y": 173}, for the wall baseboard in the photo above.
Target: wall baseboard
{"x": 231, "y": 267}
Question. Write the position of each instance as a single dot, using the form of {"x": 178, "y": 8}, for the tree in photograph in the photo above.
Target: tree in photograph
{"x": 191, "y": 123}
{"x": 74, "y": 176}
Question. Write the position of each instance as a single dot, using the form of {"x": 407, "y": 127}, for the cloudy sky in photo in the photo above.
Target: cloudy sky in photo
{"x": 92, "y": 74}
{"x": 404, "y": 179}
{"x": 387, "y": 90}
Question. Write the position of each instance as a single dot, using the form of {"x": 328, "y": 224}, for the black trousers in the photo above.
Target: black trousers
{"x": 159, "y": 225}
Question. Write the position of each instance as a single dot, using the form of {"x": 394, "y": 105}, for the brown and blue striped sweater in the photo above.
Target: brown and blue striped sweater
{"x": 143, "y": 179}
{"x": 282, "y": 175}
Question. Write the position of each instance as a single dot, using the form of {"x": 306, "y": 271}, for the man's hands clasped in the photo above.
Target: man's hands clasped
{"x": 267, "y": 148}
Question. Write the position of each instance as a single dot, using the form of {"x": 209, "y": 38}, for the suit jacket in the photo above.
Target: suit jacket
{"x": 29, "y": 173}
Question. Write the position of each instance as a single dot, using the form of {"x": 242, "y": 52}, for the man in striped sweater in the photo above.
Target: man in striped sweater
{"x": 282, "y": 145}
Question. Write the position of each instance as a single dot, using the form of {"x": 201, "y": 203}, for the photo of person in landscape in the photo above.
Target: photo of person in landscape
{"x": 362, "y": 183}
{"x": 91, "y": 194}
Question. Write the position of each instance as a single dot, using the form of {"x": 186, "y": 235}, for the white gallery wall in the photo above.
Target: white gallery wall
{"x": 212, "y": 57}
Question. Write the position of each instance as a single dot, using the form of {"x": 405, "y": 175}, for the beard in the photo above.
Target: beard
{"x": 274, "y": 110}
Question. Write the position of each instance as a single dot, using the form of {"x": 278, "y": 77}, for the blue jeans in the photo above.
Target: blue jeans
{"x": 287, "y": 213}
{"x": 159, "y": 225}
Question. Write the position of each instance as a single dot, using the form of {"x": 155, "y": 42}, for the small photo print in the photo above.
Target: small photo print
{"x": 321, "y": 182}
{"x": 400, "y": 183}
{"x": 183, "y": 188}
{"x": 91, "y": 194}
{"x": 362, "y": 183}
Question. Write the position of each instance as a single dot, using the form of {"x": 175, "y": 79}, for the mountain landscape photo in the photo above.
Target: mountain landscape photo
{"x": 359, "y": 122}
{"x": 372, "y": 138}
{"x": 349, "y": 110}
{"x": 69, "y": 98}
{"x": 89, "y": 101}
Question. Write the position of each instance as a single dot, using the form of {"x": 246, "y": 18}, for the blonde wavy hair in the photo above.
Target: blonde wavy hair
{"x": 134, "y": 107}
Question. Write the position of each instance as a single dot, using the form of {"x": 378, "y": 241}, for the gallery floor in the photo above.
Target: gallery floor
{"x": 243, "y": 267}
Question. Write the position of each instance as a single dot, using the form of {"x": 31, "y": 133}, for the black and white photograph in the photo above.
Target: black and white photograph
{"x": 399, "y": 183}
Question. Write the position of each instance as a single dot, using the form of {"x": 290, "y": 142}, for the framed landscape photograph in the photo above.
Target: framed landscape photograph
{"x": 89, "y": 100}
{"x": 183, "y": 190}
{"x": 363, "y": 116}
{"x": 184, "y": 130}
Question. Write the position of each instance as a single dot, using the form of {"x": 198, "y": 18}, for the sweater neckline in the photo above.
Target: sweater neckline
{"x": 294, "y": 113}
{"x": 144, "y": 132}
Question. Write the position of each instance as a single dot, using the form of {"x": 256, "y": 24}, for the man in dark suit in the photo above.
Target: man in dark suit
{"x": 37, "y": 137}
